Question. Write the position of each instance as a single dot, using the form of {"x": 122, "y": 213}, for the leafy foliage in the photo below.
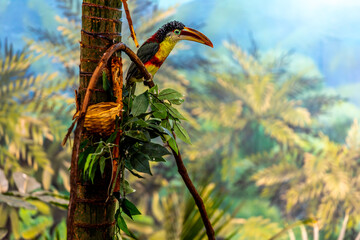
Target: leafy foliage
{"x": 30, "y": 130}
{"x": 174, "y": 215}
{"x": 253, "y": 107}
{"x": 62, "y": 49}
{"x": 33, "y": 219}
{"x": 33, "y": 117}
{"x": 139, "y": 127}
{"x": 256, "y": 115}
{"x": 258, "y": 228}
{"x": 326, "y": 184}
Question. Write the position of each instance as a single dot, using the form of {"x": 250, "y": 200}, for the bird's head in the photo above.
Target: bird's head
{"x": 176, "y": 31}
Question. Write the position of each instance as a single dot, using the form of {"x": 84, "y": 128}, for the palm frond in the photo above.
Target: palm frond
{"x": 258, "y": 228}
{"x": 353, "y": 137}
{"x": 277, "y": 174}
{"x": 280, "y": 131}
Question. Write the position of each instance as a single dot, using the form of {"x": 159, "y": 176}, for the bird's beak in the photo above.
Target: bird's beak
{"x": 194, "y": 35}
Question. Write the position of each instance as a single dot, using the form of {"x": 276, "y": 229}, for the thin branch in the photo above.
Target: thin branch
{"x": 81, "y": 118}
{"x": 97, "y": 73}
{"x": 74, "y": 179}
{"x": 198, "y": 200}
{"x": 131, "y": 26}
{"x": 103, "y": 61}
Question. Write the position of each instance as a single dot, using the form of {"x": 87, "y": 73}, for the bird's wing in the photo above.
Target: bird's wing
{"x": 145, "y": 53}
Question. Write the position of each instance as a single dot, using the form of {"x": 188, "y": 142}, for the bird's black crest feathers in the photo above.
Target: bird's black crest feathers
{"x": 168, "y": 27}
{"x": 149, "y": 49}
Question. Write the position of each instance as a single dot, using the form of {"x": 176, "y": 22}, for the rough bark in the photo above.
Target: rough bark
{"x": 89, "y": 215}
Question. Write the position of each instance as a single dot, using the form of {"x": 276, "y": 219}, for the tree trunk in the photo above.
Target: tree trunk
{"x": 343, "y": 227}
{"x": 304, "y": 235}
{"x": 89, "y": 215}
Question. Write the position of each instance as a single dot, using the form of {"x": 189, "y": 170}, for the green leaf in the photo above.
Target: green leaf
{"x": 181, "y": 133}
{"x": 106, "y": 84}
{"x": 140, "y": 162}
{"x": 137, "y": 134}
{"x": 134, "y": 173}
{"x": 60, "y": 231}
{"x": 140, "y": 104}
{"x": 83, "y": 156}
{"x": 166, "y": 127}
{"x": 129, "y": 208}
{"x": 132, "y": 208}
{"x": 177, "y": 101}
{"x": 35, "y": 230}
{"x": 143, "y": 115}
{"x": 93, "y": 167}
{"x": 102, "y": 164}
{"x": 155, "y": 121}
{"x": 166, "y": 124}
{"x": 160, "y": 110}
{"x": 88, "y": 161}
{"x": 147, "y": 135}
{"x": 93, "y": 162}
{"x": 169, "y": 94}
{"x": 154, "y": 89}
{"x": 128, "y": 164}
{"x": 158, "y": 159}
{"x": 112, "y": 137}
{"x": 167, "y": 132}
{"x": 173, "y": 145}
{"x": 84, "y": 143}
{"x": 141, "y": 123}
{"x": 175, "y": 113}
{"x": 122, "y": 224}
{"x": 99, "y": 147}
{"x": 154, "y": 150}
{"x": 161, "y": 129}
{"x": 128, "y": 189}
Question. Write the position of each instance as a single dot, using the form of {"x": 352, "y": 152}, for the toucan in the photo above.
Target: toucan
{"x": 157, "y": 48}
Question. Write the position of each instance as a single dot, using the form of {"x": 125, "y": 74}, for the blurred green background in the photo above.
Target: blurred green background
{"x": 273, "y": 116}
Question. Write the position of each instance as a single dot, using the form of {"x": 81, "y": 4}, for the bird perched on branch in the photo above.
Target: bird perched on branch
{"x": 157, "y": 48}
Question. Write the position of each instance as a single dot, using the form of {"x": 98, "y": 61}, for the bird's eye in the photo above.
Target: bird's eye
{"x": 177, "y": 31}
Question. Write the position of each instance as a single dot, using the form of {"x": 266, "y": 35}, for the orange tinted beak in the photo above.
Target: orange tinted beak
{"x": 194, "y": 35}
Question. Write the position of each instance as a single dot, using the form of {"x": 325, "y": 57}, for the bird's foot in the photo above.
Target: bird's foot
{"x": 149, "y": 82}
